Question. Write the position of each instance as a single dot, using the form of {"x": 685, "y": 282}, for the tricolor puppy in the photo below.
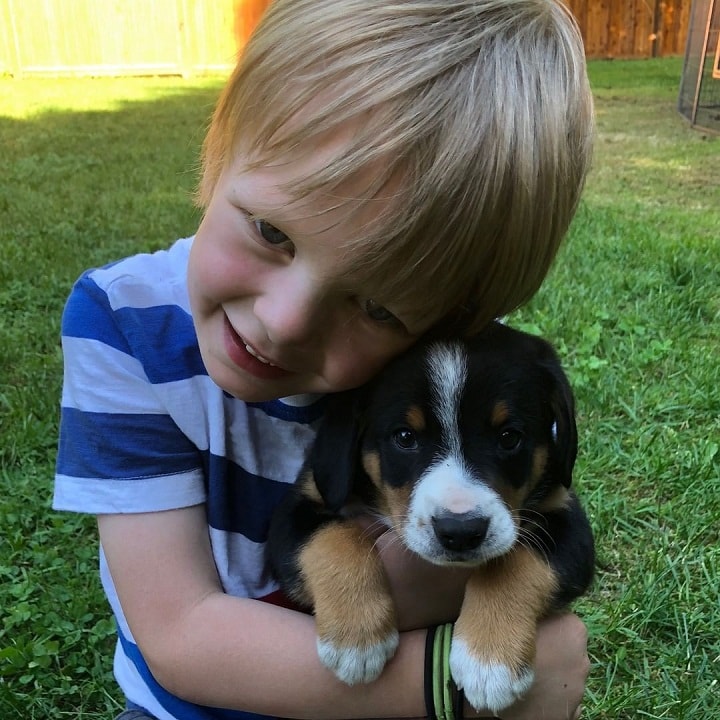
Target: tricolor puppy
{"x": 465, "y": 450}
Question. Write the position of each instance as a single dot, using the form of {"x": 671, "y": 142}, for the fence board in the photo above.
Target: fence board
{"x": 620, "y": 35}
{"x": 644, "y": 31}
{"x": 211, "y": 34}
{"x": 597, "y": 40}
{"x": 116, "y": 37}
{"x": 674, "y": 20}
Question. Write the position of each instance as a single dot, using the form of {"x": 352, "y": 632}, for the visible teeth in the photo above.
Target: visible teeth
{"x": 256, "y": 356}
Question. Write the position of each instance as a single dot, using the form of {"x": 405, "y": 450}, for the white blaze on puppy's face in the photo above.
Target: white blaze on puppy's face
{"x": 447, "y": 366}
{"x": 448, "y": 486}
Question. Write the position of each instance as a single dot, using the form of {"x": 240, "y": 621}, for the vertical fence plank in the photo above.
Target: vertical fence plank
{"x": 620, "y": 35}
{"x": 644, "y": 41}
{"x": 9, "y": 46}
{"x": 598, "y": 18}
{"x": 674, "y": 20}
{"x": 628, "y": 19}
{"x": 665, "y": 14}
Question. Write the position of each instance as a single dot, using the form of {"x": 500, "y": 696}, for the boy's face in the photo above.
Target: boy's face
{"x": 274, "y": 313}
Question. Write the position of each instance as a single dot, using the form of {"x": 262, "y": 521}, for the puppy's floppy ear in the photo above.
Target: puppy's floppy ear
{"x": 335, "y": 455}
{"x": 563, "y": 406}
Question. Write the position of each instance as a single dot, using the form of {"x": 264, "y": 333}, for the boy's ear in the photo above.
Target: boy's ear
{"x": 335, "y": 455}
{"x": 565, "y": 429}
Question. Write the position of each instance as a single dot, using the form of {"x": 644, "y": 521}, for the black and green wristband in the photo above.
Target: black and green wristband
{"x": 443, "y": 699}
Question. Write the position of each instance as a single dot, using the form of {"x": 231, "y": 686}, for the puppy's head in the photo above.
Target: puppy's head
{"x": 457, "y": 442}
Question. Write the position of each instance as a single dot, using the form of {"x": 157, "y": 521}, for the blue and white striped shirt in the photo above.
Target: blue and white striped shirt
{"x": 144, "y": 428}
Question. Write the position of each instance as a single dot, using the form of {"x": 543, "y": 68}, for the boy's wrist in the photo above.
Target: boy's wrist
{"x": 443, "y": 699}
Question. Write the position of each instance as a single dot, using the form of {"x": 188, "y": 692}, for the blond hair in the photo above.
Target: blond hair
{"x": 481, "y": 107}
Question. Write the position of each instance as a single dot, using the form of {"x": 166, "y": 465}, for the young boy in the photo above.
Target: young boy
{"x": 374, "y": 171}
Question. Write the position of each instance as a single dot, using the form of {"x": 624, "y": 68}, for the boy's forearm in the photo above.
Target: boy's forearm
{"x": 249, "y": 655}
{"x": 267, "y": 663}
{"x": 214, "y": 649}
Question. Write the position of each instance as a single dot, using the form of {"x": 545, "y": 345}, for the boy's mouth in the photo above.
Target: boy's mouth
{"x": 247, "y": 358}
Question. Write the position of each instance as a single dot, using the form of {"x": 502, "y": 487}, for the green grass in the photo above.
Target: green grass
{"x": 97, "y": 169}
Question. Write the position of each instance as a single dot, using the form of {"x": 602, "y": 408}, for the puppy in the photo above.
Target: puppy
{"x": 466, "y": 450}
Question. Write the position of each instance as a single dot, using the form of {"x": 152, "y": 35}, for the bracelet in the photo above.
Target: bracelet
{"x": 443, "y": 699}
{"x": 428, "y": 676}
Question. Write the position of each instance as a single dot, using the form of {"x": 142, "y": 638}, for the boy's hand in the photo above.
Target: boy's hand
{"x": 424, "y": 594}
{"x": 561, "y": 670}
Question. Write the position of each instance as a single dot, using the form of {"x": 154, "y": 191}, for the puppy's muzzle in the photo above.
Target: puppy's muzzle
{"x": 460, "y": 532}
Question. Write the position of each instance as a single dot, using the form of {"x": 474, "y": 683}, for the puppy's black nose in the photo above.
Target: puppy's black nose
{"x": 460, "y": 531}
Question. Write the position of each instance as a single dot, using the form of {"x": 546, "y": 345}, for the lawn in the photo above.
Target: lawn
{"x": 93, "y": 170}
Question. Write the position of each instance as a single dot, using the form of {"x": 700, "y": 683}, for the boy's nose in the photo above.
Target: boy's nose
{"x": 291, "y": 313}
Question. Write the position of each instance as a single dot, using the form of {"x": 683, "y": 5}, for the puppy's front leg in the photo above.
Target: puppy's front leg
{"x": 354, "y": 612}
{"x": 494, "y": 640}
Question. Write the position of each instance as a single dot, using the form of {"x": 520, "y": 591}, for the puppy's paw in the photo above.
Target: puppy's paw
{"x": 359, "y": 664}
{"x": 487, "y": 684}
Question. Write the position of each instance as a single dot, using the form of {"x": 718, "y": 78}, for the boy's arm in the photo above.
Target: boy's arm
{"x": 214, "y": 649}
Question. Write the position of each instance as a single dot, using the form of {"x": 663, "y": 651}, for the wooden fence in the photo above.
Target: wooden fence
{"x": 632, "y": 28}
{"x": 126, "y": 37}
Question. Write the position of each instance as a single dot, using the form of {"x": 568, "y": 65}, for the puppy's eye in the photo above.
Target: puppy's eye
{"x": 510, "y": 440}
{"x": 405, "y": 439}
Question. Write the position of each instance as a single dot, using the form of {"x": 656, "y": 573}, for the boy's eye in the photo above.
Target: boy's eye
{"x": 378, "y": 313}
{"x": 269, "y": 233}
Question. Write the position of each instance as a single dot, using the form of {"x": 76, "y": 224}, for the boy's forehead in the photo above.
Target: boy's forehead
{"x": 285, "y": 186}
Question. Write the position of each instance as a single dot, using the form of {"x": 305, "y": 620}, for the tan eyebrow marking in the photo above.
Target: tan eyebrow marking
{"x": 500, "y": 413}
{"x": 415, "y": 418}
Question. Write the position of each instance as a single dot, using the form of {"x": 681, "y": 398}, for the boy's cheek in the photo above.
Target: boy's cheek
{"x": 351, "y": 370}
{"x": 369, "y": 353}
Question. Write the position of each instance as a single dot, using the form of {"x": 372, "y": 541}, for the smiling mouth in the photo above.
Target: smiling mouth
{"x": 256, "y": 355}
{"x": 247, "y": 358}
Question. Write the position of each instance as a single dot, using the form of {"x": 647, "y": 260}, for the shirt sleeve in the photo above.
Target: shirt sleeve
{"x": 119, "y": 449}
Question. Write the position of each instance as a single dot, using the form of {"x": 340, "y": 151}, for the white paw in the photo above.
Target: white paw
{"x": 487, "y": 685}
{"x": 357, "y": 664}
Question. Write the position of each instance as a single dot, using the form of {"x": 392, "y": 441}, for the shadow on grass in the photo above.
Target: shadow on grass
{"x": 79, "y": 189}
